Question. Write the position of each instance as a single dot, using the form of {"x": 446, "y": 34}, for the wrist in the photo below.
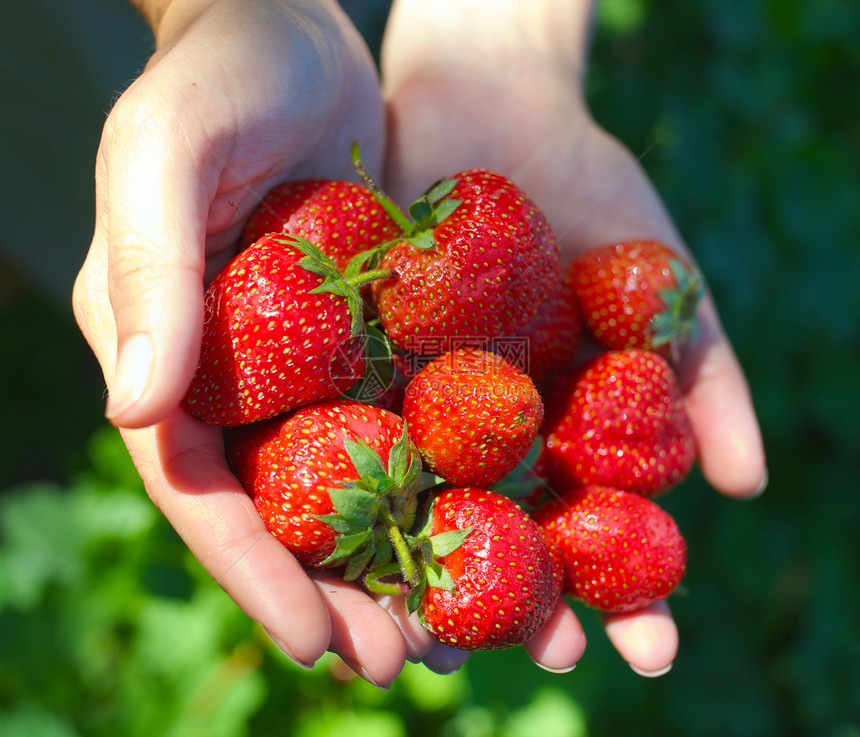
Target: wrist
{"x": 490, "y": 33}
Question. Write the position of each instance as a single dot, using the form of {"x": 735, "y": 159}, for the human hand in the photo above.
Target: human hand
{"x": 238, "y": 96}
{"x": 503, "y": 90}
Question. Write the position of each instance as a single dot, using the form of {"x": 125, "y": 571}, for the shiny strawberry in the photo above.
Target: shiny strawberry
{"x": 341, "y": 218}
{"x": 477, "y": 259}
{"x": 494, "y": 581}
{"x": 618, "y": 420}
{"x": 621, "y": 551}
{"x": 638, "y": 294}
{"x": 473, "y": 416}
{"x": 330, "y": 481}
{"x": 282, "y": 329}
{"x": 551, "y": 337}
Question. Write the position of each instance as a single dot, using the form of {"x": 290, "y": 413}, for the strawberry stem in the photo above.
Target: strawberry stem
{"x": 394, "y": 212}
{"x": 364, "y": 277}
{"x": 404, "y": 555}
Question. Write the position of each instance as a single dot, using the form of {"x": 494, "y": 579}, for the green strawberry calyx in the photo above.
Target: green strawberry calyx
{"x": 677, "y": 323}
{"x": 428, "y": 211}
{"x": 346, "y": 285}
{"x": 373, "y": 512}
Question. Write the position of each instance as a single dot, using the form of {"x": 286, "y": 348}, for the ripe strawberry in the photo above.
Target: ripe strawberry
{"x": 620, "y": 550}
{"x": 329, "y": 480}
{"x": 282, "y": 329}
{"x": 472, "y": 415}
{"x": 637, "y": 294}
{"x": 552, "y": 335}
{"x": 500, "y": 585}
{"x": 340, "y": 218}
{"x": 618, "y": 420}
{"x": 478, "y": 260}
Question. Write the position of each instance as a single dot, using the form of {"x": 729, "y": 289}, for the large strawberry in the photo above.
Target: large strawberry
{"x": 477, "y": 259}
{"x": 621, "y": 551}
{"x": 332, "y": 482}
{"x": 282, "y": 329}
{"x": 341, "y": 218}
{"x": 618, "y": 420}
{"x": 495, "y": 581}
{"x": 473, "y": 416}
{"x": 638, "y": 294}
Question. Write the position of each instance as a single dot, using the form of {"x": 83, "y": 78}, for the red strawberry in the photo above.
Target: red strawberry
{"x": 552, "y": 335}
{"x": 500, "y": 585}
{"x": 473, "y": 416}
{"x": 329, "y": 480}
{"x": 479, "y": 260}
{"x": 282, "y": 329}
{"x": 620, "y": 550}
{"x": 341, "y": 218}
{"x": 618, "y": 420}
{"x": 637, "y": 294}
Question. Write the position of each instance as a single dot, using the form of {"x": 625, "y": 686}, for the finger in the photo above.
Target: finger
{"x": 181, "y": 461}
{"x": 718, "y": 402}
{"x": 560, "y": 644}
{"x": 444, "y": 660}
{"x": 416, "y": 638}
{"x": 152, "y": 216}
{"x": 647, "y": 639}
{"x": 420, "y": 645}
{"x": 363, "y": 634}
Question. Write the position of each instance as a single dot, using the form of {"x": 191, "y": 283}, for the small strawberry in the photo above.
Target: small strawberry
{"x": 618, "y": 420}
{"x": 472, "y": 415}
{"x": 331, "y": 482}
{"x": 282, "y": 329}
{"x": 340, "y": 218}
{"x": 638, "y": 294}
{"x": 621, "y": 551}
{"x": 477, "y": 258}
{"x": 497, "y": 587}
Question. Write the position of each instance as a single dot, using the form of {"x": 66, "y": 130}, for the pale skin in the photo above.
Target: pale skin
{"x": 226, "y": 109}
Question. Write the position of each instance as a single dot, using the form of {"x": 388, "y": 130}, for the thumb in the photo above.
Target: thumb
{"x": 152, "y": 214}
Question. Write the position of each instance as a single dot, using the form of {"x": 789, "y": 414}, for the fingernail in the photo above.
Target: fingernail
{"x": 762, "y": 486}
{"x": 651, "y": 673}
{"x": 283, "y": 647}
{"x": 133, "y": 370}
{"x": 566, "y": 669}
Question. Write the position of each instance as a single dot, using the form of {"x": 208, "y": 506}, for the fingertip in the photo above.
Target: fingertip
{"x": 646, "y": 639}
{"x": 721, "y": 411}
{"x": 560, "y": 644}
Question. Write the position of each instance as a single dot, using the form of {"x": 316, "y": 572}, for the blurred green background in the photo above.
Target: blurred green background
{"x": 747, "y": 115}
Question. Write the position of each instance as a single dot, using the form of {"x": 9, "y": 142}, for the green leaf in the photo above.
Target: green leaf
{"x": 440, "y": 190}
{"x": 448, "y": 542}
{"x": 439, "y": 578}
{"x": 357, "y": 564}
{"x": 415, "y": 595}
{"x": 444, "y": 209}
{"x": 423, "y": 240}
{"x": 420, "y": 211}
{"x": 355, "y": 504}
{"x": 346, "y": 545}
{"x": 365, "y": 459}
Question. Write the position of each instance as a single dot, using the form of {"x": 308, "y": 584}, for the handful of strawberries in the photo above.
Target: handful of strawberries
{"x": 391, "y": 383}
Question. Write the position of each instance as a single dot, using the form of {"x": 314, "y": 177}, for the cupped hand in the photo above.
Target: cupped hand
{"x": 503, "y": 91}
{"x": 238, "y": 96}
